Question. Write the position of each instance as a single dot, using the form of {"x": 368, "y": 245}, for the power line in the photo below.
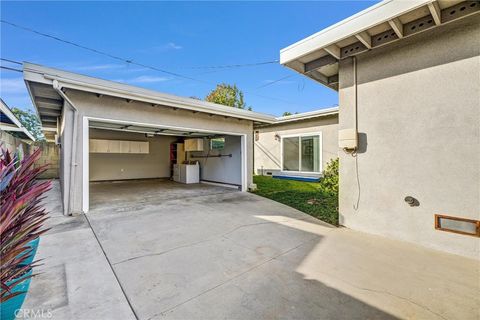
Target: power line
{"x": 11, "y": 69}
{"x": 130, "y": 61}
{"x": 11, "y": 61}
{"x": 234, "y": 65}
{"x": 273, "y": 82}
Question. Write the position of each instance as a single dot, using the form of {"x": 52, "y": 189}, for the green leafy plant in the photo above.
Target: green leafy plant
{"x": 30, "y": 121}
{"x": 22, "y": 217}
{"x": 330, "y": 177}
{"x": 227, "y": 95}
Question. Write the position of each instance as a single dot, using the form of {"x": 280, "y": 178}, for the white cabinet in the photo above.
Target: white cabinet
{"x": 125, "y": 146}
{"x": 186, "y": 173}
{"x": 134, "y": 147}
{"x": 119, "y": 146}
{"x": 113, "y": 146}
{"x": 144, "y": 147}
{"x": 193, "y": 144}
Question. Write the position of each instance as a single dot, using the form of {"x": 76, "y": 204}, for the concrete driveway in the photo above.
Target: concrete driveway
{"x": 161, "y": 250}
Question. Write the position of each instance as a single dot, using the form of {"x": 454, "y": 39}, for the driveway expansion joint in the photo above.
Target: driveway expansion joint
{"x": 163, "y": 313}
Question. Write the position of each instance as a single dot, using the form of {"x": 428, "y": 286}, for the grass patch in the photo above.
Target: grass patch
{"x": 313, "y": 198}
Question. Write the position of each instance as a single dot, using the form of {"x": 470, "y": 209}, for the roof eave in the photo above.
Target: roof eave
{"x": 40, "y": 74}
{"x": 317, "y": 56}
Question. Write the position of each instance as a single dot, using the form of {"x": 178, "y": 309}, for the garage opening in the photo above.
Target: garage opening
{"x": 142, "y": 159}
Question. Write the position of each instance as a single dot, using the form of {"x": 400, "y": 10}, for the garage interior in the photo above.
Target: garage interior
{"x": 133, "y": 158}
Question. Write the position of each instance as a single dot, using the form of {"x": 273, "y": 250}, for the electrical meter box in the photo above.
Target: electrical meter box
{"x": 348, "y": 139}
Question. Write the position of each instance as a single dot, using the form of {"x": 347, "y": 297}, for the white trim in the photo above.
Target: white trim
{"x": 349, "y": 27}
{"x": 307, "y": 115}
{"x": 37, "y": 73}
{"x": 308, "y": 134}
{"x": 86, "y": 159}
{"x": 20, "y": 128}
{"x": 85, "y": 166}
{"x": 244, "y": 152}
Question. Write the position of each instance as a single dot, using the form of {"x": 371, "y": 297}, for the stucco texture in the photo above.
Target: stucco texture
{"x": 120, "y": 166}
{"x": 267, "y": 149}
{"x": 418, "y": 123}
{"x": 89, "y": 105}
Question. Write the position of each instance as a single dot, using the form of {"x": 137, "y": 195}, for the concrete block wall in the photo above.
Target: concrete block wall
{"x": 50, "y": 155}
{"x": 12, "y": 143}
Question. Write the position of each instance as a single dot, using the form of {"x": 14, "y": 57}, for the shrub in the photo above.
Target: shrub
{"x": 21, "y": 216}
{"x": 330, "y": 177}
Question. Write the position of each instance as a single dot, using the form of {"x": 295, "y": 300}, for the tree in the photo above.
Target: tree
{"x": 227, "y": 95}
{"x": 30, "y": 121}
{"x": 288, "y": 113}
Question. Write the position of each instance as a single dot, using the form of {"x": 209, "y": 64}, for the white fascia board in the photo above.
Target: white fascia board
{"x": 33, "y": 73}
{"x": 6, "y": 110}
{"x": 362, "y": 21}
{"x": 19, "y": 127}
{"x": 308, "y": 115}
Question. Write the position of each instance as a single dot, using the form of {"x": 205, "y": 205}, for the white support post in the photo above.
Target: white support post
{"x": 85, "y": 166}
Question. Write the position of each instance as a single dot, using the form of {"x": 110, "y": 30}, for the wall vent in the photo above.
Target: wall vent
{"x": 460, "y": 10}
{"x": 458, "y": 225}
{"x": 384, "y": 37}
{"x": 418, "y": 25}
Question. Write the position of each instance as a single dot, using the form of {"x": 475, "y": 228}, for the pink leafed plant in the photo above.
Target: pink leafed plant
{"x": 21, "y": 216}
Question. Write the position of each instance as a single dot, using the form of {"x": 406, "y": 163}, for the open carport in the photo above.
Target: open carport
{"x": 109, "y": 131}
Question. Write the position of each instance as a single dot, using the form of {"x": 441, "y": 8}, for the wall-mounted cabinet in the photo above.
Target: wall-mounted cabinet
{"x": 118, "y": 146}
{"x": 193, "y": 144}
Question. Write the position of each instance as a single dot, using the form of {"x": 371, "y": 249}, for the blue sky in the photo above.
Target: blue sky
{"x": 181, "y": 37}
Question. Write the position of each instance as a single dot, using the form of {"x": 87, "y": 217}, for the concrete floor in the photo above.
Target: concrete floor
{"x": 154, "y": 250}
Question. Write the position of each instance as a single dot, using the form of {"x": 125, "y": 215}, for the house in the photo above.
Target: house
{"x": 407, "y": 75}
{"x": 112, "y": 131}
{"x": 12, "y": 132}
{"x": 298, "y": 145}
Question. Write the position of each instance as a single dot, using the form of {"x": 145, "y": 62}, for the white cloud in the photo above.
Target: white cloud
{"x": 12, "y": 86}
{"x": 172, "y": 45}
{"x": 143, "y": 79}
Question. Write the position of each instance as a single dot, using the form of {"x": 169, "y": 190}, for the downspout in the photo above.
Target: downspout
{"x": 355, "y": 153}
{"x": 355, "y": 99}
{"x": 73, "y": 154}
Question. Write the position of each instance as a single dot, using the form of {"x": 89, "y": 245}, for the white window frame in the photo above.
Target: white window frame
{"x": 300, "y": 135}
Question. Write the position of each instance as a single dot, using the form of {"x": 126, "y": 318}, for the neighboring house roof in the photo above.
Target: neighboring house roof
{"x": 307, "y": 115}
{"x": 317, "y": 56}
{"x": 48, "y": 103}
{"x": 10, "y": 123}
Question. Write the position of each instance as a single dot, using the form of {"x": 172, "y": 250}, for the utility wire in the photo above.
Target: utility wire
{"x": 11, "y": 69}
{"x": 11, "y": 61}
{"x": 130, "y": 61}
{"x": 273, "y": 82}
{"x": 234, "y": 65}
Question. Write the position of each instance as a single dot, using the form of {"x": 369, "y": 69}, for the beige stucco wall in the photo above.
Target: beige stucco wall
{"x": 267, "y": 149}
{"x": 221, "y": 169}
{"x": 89, "y": 105}
{"x": 418, "y": 119}
{"x": 119, "y": 166}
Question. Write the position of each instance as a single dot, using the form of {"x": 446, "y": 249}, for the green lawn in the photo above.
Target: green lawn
{"x": 309, "y": 197}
